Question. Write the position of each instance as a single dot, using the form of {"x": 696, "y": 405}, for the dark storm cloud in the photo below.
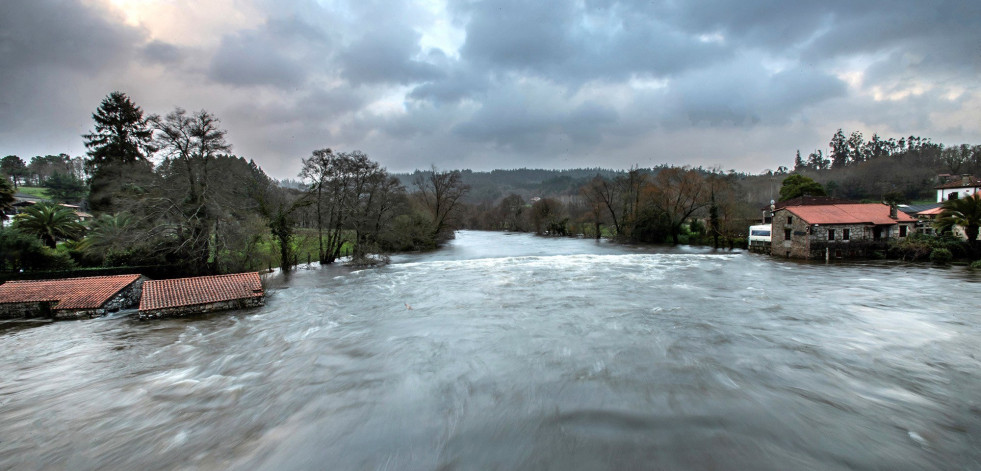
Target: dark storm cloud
{"x": 386, "y": 57}
{"x": 56, "y": 57}
{"x": 568, "y": 43}
{"x": 519, "y": 83}
{"x": 159, "y": 52}
{"x": 257, "y": 57}
{"x": 65, "y": 34}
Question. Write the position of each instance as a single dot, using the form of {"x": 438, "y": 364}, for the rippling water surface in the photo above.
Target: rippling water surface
{"x": 515, "y": 352}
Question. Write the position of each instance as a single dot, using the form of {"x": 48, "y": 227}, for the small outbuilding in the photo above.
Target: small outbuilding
{"x": 69, "y": 298}
{"x": 202, "y": 294}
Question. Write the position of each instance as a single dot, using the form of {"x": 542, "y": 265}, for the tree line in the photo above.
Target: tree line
{"x": 661, "y": 204}
{"x": 166, "y": 190}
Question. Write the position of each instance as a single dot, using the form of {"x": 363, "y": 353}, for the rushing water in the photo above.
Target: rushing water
{"x": 515, "y": 352}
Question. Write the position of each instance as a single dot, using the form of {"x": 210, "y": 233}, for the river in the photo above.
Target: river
{"x": 517, "y": 352}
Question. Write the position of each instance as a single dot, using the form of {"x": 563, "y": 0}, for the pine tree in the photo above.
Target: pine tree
{"x": 119, "y": 149}
{"x": 121, "y": 135}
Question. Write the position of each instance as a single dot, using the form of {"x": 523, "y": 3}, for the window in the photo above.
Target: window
{"x": 790, "y": 219}
{"x": 952, "y": 195}
{"x": 902, "y": 231}
{"x": 786, "y": 234}
{"x": 831, "y": 234}
{"x": 845, "y": 234}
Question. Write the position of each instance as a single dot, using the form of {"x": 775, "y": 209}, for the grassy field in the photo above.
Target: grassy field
{"x": 35, "y": 191}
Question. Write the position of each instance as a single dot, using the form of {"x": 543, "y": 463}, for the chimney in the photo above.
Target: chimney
{"x": 893, "y": 212}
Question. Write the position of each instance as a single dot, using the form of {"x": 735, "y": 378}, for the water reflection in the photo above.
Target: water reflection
{"x": 520, "y": 353}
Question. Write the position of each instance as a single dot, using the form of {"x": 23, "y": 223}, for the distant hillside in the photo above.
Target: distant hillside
{"x": 527, "y": 183}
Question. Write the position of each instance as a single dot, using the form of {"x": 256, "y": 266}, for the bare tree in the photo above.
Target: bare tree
{"x": 676, "y": 194}
{"x": 191, "y": 143}
{"x": 440, "y": 193}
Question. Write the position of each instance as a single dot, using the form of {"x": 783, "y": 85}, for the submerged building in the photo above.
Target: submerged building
{"x": 198, "y": 295}
{"x": 69, "y": 298}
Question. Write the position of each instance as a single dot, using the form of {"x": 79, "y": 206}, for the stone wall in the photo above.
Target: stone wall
{"x": 796, "y": 246}
{"x": 182, "y": 311}
{"x": 25, "y": 310}
{"x": 127, "y": 298}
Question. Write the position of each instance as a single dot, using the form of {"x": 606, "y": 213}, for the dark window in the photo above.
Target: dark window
{"x": 831, "y": 234}
{"x": 902, "y": 231}
{"x": 790, "y": 219}
{"x": 786, "y": 234}
{"x": 952, "y": 195}
{"x": 845, "y": 234}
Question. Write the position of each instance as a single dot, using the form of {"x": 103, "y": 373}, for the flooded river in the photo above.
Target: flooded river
{"x": 515, "y": 352}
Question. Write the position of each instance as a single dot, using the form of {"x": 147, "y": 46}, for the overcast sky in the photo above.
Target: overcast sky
{"x": 499, "y": 84}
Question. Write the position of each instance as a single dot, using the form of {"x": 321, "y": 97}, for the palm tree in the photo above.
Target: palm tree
{"x": 109, "y": 233}
{"x": 964, "y": 212}
{"x": 50, "y": 222}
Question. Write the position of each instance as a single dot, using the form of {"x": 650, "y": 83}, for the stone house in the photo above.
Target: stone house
{"x": 69, "y": 298}
{"x": 202, "y": 294}
{"x": 837, "y": 230}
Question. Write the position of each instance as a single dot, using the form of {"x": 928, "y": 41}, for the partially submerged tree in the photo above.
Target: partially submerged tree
{"x": 440, "y": 193}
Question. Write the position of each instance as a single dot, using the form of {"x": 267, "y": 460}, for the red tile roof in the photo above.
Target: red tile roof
{"x": 870, "y": 213}
{"x": 930, "y": 212}
{"x": 162, "y": 294}
{"x": 69, "y": 293}
{"x": 960, "y": 182}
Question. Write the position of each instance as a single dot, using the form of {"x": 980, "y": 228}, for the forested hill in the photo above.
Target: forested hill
{"x": 525, "y": 182}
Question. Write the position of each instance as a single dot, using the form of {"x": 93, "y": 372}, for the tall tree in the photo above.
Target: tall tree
{"x": 318, "y": 170}
{"x": 14, "y": 167}
{"x": 440, "y": 193}
{"x": 192, "y": 144}
{"x": 601, "y": 192}
{"x": 118, "y": 150}
{"x": 676, "y": 194}
{"x": 839, "y": 150}
{"x": 121, "y": 135}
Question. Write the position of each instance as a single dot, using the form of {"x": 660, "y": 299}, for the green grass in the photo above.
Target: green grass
{"x": 305, "y": 244}
{"x": 35, "y": 191}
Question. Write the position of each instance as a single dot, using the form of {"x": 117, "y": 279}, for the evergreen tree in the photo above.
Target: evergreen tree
{"x": 121, "y": 135}
{"x": 119, "y": 149}
{"x": 839, "y": 150}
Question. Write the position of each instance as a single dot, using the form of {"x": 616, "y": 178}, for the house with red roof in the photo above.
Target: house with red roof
{"x": 849, "y": 230}
{"x": 69, "y": 298}
{"x": 187, "y": 296}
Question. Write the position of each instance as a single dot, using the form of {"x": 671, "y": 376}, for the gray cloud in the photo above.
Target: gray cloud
{"x": 599, "y": 82}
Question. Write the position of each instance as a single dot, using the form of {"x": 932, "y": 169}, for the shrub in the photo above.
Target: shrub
{"x": 976, "y": 265}
{"x": 941, "y": 256}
